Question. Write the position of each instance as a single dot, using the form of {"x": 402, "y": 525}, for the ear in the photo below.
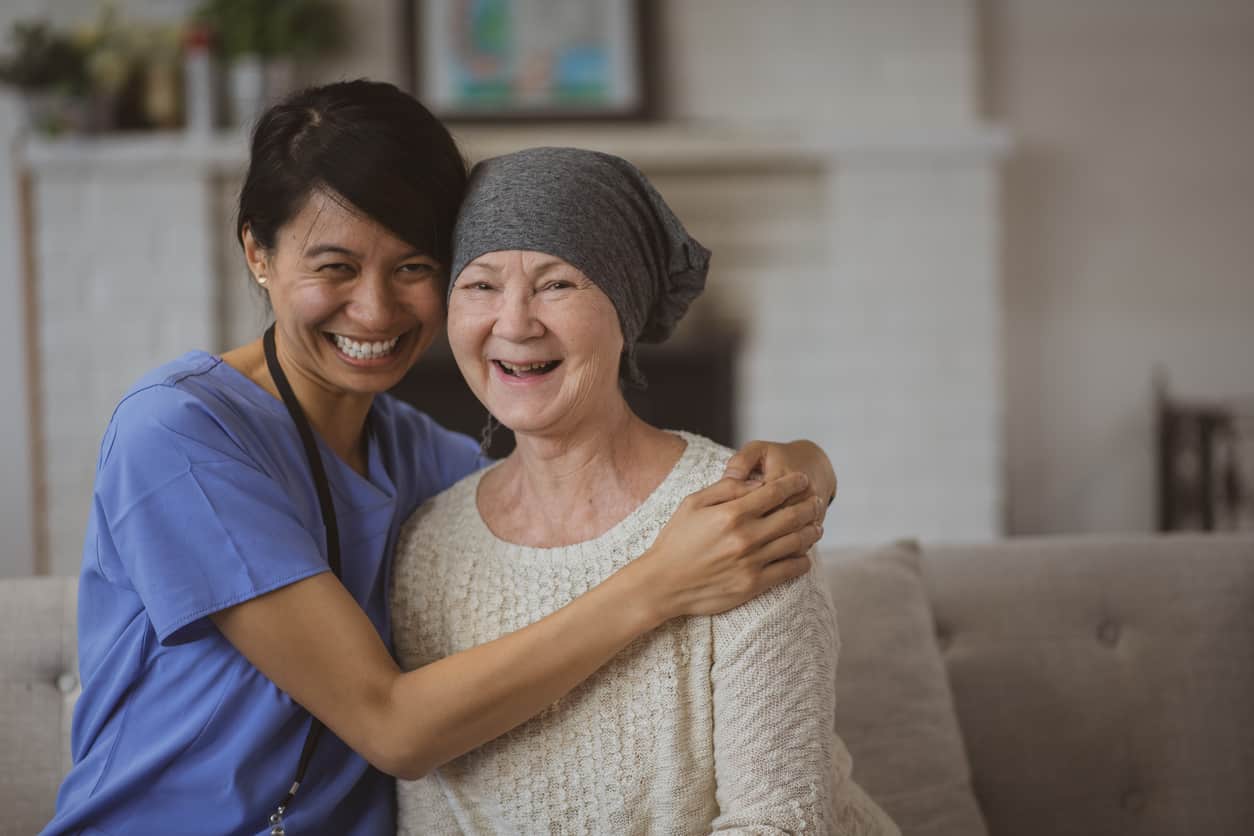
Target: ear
{"x": 257, "y": 256}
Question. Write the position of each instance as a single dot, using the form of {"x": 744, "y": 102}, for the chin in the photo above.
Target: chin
{"x": 521, "y": 421}
{"x": 512, "y": 422}
{"x": 373, "y": 384}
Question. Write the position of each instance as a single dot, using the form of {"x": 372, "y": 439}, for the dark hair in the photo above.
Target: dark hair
{"x": 366, "y": 142}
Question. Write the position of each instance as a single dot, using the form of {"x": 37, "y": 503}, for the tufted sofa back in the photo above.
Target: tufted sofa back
{"x": 1104, "y": 685}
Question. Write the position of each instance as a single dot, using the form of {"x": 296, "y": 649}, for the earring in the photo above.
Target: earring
{"x": 261, "y": 280}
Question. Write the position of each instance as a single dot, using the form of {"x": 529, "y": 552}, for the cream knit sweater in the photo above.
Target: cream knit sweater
{"x": 707, "y": 724}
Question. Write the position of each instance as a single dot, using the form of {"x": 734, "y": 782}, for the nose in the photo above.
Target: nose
{"x": 515, "y": 320}
{"x": 373, "y": 303}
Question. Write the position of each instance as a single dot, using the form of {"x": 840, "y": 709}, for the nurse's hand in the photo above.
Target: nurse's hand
{"x": 729, "y": 543}
{"x": 770, "y": 460}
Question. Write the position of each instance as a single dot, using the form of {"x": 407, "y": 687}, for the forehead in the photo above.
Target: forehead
{"x": 327, "y": 218}
{"x": 528, "y": 261}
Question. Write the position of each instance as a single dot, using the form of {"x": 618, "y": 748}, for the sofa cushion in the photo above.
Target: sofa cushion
{"x": 1104, "y": 684}
{"x": 38, "y": 686}
{"x": 894, "y": 707}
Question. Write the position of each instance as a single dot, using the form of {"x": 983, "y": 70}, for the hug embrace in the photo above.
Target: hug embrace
{"x": 297, "y": 590}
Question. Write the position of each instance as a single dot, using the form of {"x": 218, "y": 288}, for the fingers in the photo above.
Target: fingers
{"x": 784, "y": 569}
{"x": 771, "y": 495}
{"x": 802, "y": 496}
{"x": 788, "y": 544}
{"x": 724, "y": 490}
{"x": 748, "y": 459}
{"x": 775, "y": 461}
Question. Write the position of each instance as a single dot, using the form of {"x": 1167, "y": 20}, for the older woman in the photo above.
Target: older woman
{"x": 564, "y": 260}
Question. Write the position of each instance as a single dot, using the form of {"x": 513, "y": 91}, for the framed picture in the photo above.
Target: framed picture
{"x": 501, "y": 60}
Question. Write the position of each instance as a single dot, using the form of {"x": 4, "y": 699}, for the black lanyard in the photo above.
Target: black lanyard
{"x": 333, "y": 544}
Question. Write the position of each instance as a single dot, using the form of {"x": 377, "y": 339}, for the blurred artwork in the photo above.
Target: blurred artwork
{"x": 1205, "y": 464}
{"x": 531, "y": 58}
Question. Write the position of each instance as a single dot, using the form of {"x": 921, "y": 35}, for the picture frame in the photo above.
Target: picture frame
{"x": 529, "y": 60}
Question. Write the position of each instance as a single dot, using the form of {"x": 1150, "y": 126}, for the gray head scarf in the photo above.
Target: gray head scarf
{"x": 598, "y": 213}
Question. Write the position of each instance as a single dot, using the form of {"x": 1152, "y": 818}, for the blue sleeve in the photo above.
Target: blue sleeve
{"x": 192, "y": 521}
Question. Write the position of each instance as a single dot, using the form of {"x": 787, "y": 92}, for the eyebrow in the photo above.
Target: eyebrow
{"x": 322, "y": 249}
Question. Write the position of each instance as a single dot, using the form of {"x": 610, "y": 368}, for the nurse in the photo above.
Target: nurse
{"x": 236, "y": 566}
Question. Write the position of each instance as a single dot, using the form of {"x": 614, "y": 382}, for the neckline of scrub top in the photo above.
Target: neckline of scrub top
{"x": 377, "y": 480}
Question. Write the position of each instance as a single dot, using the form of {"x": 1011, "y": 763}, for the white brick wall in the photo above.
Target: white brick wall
{"x": 126, "y": 282}
{"x": 870, "y": 301}
{"x": 918, "y": 320}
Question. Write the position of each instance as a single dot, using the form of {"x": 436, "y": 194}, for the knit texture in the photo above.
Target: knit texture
{"x": 721, "y": 723}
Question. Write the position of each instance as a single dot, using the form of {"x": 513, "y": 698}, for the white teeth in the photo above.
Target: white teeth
{"x": 524, "y": 368}
{"x": 365, "y": 351}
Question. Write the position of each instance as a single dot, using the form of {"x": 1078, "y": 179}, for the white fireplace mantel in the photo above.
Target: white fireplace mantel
{"x": 656, "y": 146}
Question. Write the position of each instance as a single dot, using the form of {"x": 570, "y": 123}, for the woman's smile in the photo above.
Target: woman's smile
{"x": 524, "y": 373}
{"x": 366, "y": 353}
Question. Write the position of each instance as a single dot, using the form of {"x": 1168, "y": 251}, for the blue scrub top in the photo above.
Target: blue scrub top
{"x": 203, "y": 500}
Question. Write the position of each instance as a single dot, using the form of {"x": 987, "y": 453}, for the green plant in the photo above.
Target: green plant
{"x": 110, "y": 55}
{"x": 44, "y": 60}
{"x": 239, "y": 25}
{"x": 305, "y": 29}
{"x": 299, "y": 29}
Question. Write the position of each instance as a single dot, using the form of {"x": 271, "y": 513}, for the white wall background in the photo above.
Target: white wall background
{"x": 1129, "y": 240}
{"x": 826, "y": 62}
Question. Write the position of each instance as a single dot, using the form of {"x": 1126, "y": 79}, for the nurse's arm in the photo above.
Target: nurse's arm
{"x": 723, "y": 546}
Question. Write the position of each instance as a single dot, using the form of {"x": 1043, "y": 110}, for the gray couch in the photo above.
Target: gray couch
{"x": 1053, "y": 686}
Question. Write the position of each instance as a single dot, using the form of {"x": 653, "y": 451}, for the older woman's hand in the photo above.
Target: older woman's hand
{"x": 728, "y": 543}
{"x": 771, "y": 460}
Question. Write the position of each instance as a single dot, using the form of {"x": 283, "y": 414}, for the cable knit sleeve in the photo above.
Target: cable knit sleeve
{"x": 779, "y": 766}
